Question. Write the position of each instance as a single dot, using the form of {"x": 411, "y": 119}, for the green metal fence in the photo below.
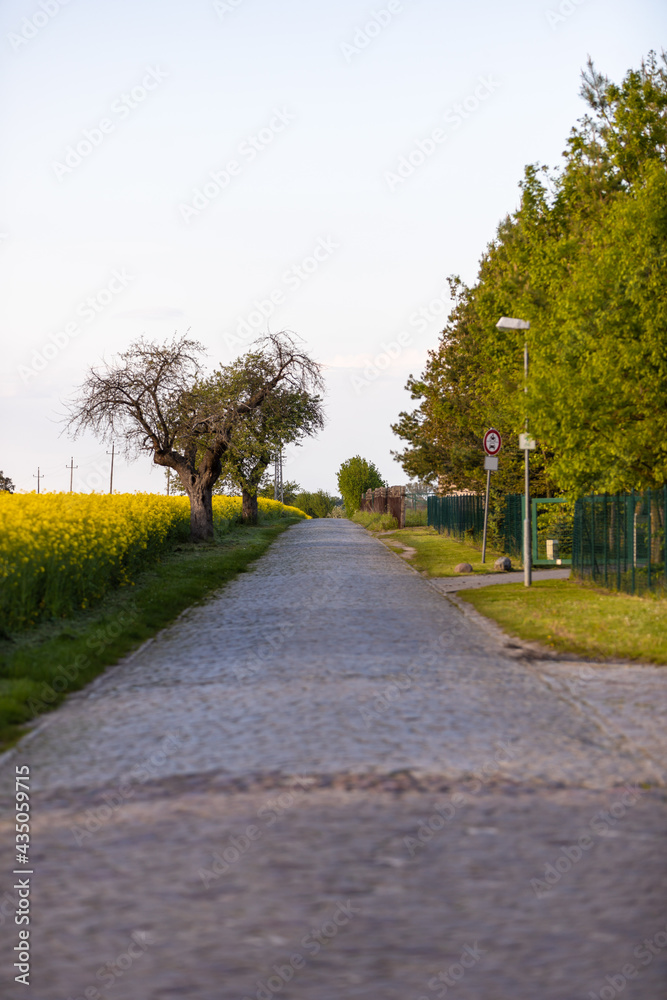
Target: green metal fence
{"x": 619, "y": 540}
{"x": 509, "y": 525}
{"x": 552, "y": 524}
{"x": 463, "y": 517}
{"x": 415, "y": 501}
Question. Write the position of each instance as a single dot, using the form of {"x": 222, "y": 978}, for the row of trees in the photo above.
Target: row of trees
{"x": 158, "y": 399}
{"x": 315, "y": 504}
{"x": 584, "y": 259}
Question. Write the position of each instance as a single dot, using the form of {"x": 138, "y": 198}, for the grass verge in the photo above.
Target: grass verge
{"x": 572, "y": 618}
{"x": 41, "y": 666}
{"x": 375, "y": 522}
{"x": 416, "y": 518}
{"x": 437, "y": 555}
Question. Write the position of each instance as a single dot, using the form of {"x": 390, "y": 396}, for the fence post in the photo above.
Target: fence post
{"x": 593, "y": 538}
{"x": 606, "y": 539}
{"x": 618, "y": 541}
{"x": 650, "y": 547}
{"x": 634, "y": 542}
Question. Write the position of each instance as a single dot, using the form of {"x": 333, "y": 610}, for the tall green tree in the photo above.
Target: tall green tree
{"x": 584, "y": 260}
{"x": 356, "y": 476}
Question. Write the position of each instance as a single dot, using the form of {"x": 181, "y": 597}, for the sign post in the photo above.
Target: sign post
{"x": 492, "y": 445}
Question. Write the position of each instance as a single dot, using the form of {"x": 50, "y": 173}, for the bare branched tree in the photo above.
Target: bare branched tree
{"x": 157, "y": 398}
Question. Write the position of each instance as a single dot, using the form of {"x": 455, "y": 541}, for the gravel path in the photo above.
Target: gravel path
{"x": 327, "y": 782}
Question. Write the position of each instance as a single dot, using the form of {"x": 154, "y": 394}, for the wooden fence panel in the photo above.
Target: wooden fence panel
{"x": 386, "y": 500}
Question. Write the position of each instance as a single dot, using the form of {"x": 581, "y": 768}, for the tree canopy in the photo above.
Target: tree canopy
{"x": 317, "y": 504}
{"x": 159, "y": 400}
{"x": 356, "y": 476}
{"x": 6, "y": 485}
{"x": 584, "y": 259}
{"x": 287, "y": 417}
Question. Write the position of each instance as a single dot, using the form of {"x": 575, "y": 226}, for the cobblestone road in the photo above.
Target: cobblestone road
{"x": 327, "y": 782}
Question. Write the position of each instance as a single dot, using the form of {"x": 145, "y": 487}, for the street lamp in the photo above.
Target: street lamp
{"x": 510, "y": 323}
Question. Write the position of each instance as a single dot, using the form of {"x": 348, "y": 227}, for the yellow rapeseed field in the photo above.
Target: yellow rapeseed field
{"x": 63, "y": 551}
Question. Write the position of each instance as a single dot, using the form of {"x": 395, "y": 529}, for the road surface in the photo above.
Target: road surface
{"x": 327, "y": 782}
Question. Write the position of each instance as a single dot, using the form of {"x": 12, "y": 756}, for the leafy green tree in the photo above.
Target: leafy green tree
{"x": 598, "y": 394}
{"x": 159, "y": 400}
{"x": 267, "y": 488}
{"x": 290, "y": 416}
{"x": 584, "y": 259}
{"x": 318, "y": 504}
{"x": 6, "y": 485}
{"x": 355, "y": 477}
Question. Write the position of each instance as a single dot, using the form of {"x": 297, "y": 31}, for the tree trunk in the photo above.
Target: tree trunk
{"x": 201, "y": 514}
{"x": 250, "y": 508}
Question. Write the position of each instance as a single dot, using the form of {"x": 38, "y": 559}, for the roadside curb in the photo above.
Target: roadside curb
{"x": 519, "y": 649}
{"x": 514, "y": 647}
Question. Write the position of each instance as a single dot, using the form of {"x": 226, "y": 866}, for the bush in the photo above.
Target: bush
{"x": 319, "y": 504}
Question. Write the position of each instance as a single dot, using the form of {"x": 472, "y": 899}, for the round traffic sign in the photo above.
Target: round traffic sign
{"x": 492, "y": 442}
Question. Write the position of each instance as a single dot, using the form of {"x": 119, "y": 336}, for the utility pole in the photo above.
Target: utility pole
{"x": 113, "y": 449}
{"x": 71, "y": 468}
{"x": 168, "y": 480}
{"x": 38, "y": 477}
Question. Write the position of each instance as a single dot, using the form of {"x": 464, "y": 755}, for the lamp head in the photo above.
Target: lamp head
{"x": 509, "y": 323}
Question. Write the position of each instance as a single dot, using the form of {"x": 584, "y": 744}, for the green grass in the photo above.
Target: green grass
{"x": 385, "y": 522}
{"x": 416, "y": 518}
{"x": 375, "y": 522}
{"x": 437, "y": 555}
{"x": 40, "y": 666}
{"x": 575, "y": 618}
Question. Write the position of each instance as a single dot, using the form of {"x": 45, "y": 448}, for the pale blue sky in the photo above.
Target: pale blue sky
{"x": 332, "y": 96}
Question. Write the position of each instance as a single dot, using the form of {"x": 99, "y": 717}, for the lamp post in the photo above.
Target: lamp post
{"x": 511, "y": 323}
